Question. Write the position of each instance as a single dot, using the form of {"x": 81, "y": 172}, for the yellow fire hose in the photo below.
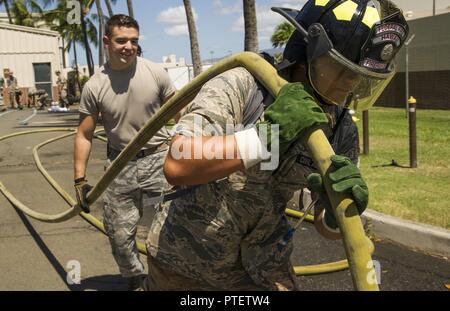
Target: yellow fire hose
{"x": 299, "y": 270}
{"x": 357, "y": 246}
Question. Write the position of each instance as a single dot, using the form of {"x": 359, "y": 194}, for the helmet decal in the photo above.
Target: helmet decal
{"x": 386, "y": 53}
{"x": 322, "y": 2}
{"x": 391, "y": 27}
{"x": 385, "y": 39}
{"x": 345, "y": 11}
{"x": 371, "y": 16}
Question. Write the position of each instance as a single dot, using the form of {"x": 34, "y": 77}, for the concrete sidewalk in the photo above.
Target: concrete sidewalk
{"x": 422, "y": 237}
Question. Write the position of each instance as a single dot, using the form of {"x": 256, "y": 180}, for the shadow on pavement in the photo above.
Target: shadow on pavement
{"x": 45, "y": 250}
{"x": 103, "y": 282}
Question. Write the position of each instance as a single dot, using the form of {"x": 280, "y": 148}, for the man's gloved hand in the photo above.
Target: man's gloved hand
{"x": 81, "y": 190}
{"x": 295, "y": 110}
{"x": 345, "y": 178}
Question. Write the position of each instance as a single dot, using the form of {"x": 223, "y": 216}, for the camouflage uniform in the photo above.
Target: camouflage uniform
{"x": 14, "y": 93}
{"x": 225, "y": 235}
{"x": 2, "y": 85}
{"x": 61, "y": 82}
{"x": 138, "y": 185}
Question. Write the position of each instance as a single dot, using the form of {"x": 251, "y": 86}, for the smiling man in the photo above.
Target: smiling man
{"x": 127, "y": 91}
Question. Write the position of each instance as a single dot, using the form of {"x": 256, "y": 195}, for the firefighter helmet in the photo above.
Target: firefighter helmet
{"x": 348, "y": 45}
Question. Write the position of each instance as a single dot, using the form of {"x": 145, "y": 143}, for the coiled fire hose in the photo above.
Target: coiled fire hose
{"x": 357, "y": 246}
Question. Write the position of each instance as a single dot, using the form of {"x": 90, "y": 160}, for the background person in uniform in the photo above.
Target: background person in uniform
{"x": 127, "y": 91}
{"x": 230, "y": 231}
{"x": 14, "y": 91}
{"x": 2, "y": 87}
{"x": 37, "y": 98}
{"x": 61, "y": 83}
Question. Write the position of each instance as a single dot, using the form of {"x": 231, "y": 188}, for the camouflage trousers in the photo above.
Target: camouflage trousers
{"x": 162, "y": 277}
{"x": 63, "y": 101}
{"x": 136, "y": 188}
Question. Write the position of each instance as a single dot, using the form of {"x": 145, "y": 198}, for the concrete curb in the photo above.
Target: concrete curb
{"x": 426, "y": 238}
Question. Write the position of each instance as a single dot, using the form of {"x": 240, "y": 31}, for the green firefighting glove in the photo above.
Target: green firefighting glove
{"x": 295, "y": 110}
{"x": 82, "y": 188}
{"x": 345, "y": 178}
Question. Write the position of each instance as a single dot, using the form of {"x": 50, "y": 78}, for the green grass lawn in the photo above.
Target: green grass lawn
{"x": 421, "y": 194}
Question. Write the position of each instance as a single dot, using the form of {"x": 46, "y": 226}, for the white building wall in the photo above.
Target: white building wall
{"x": 21, "y": 46}
{"x": 182, "y": 75}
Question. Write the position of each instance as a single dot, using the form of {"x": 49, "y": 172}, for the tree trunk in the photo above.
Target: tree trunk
{"x": 251, "y": 32}
{"x": 8, "y": 11}
{"x": 195, "y": 51}
{"x": 77, "y": 72}
{"x": 63, "y": 51}
{"x": 109, "y": 7}
{"x": 130, "y": 8}
{"x": 101, "y": 28}
{"x": 86, "y": 42}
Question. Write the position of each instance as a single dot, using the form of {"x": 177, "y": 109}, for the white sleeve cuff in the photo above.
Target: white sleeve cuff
{"x": 250, "y": 147}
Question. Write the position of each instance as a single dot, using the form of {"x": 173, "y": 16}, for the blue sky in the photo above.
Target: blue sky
{"x": 220, "y": 25}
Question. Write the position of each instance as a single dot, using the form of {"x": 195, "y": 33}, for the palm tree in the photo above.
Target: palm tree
{"x": 84, "y": 13}
{"x": 87, "y": 29}
{"x": 251, "y": 31}
{"x": 8, "y": 10}
{"x": 23, "y": 10}
{"x": 101, "y": 28}
{"x": 281, "y": 34}
{"x": 195, "y": 51}
{"x": 130, "y": 8}
{"x": 109, "y": 7}
{"x": 71, "y": 33}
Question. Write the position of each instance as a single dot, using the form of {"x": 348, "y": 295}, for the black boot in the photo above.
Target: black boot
{"x": 135, "y": 282}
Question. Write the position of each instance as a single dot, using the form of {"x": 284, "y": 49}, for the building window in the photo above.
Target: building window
{"x": 43, "y": 77}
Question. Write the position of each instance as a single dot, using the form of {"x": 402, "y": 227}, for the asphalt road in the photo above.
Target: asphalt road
{"x": 37, "y": 256}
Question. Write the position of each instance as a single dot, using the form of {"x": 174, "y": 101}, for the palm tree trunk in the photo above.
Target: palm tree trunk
{"x": 86, "y": 43}
{"x": 8, "y": 10}
{"x": 77, "y": 72}
{"x": 101, "y": 27}
{"x": 251, "y": 32}
{"x": 195, "y": 51}
{"x": 109, "y": 7}
{"x": 63, "y": 49}
{"x": 130, "y": 8}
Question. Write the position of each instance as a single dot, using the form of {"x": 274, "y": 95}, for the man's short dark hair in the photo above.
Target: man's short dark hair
{"x": 120, "y": 20}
